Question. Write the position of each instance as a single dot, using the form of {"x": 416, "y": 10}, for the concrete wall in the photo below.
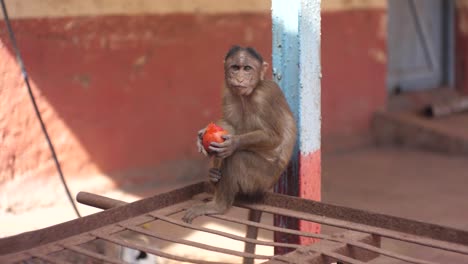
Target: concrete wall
{"x": 124, "y": 85}
{"x": 354, "y": 61}
{"x": 121, "y": 95}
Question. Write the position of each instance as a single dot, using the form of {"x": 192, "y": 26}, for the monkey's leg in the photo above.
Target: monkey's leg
{"x": 225, "y": 193}
{"x": 203, "y": 209}
{"x": 252, "y": 232}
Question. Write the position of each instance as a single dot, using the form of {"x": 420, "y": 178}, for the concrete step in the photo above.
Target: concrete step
{"x": 411, "y": 128}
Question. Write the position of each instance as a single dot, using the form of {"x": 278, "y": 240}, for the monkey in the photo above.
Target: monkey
{"x": 261, "y": 134}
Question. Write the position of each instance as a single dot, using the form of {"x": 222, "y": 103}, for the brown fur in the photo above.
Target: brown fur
{"x": 268, "y": 133}
{"x": 265, "y": 130}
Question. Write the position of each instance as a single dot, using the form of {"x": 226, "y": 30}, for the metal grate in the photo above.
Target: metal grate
{"x": 78, "y": 241}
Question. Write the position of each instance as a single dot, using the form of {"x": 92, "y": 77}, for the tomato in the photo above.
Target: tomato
{"x": 213, "y": 133}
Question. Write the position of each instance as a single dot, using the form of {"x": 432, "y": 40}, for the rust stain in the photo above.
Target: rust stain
{"x": 83, "y": 79}
{"x": 140, "y": 61}
{"x": 378, "y": 55}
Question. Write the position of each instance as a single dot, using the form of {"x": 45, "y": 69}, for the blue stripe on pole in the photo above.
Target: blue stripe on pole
{"x": 296, "y": 68}
{"x": 296, "y": 64}
{"x": 286, "y": 49}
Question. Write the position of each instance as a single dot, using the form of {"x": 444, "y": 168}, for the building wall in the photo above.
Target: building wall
{"x": 122, "y": 91}
{"x": 354, "y": 59}
{"x": 123, "y": 86}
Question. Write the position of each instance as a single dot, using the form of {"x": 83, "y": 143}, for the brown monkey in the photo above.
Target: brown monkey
{"x": 262, "y": 134}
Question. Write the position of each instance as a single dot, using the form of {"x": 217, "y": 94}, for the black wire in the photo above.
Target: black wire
{"x": 38, "y": 114}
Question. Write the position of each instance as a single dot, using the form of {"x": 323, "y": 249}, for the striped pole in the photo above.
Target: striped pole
{"x": 296, "y": 68}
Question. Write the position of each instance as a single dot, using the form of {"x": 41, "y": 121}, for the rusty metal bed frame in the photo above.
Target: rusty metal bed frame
{"x": 360, "y": 244}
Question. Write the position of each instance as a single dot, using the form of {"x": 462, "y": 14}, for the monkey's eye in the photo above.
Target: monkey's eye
{"x": 248, "y": 68}
{"x": 235, "y": 67}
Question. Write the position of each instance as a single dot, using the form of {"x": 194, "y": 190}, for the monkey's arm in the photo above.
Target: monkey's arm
{"x": 257, "y": 141}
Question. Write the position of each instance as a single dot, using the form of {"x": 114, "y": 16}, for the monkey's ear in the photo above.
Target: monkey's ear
{"x": 265, "y": 66}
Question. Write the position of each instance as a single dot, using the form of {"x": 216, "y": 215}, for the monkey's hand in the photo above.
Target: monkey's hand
{"x": 201, "y": 149}
{"x": 225, "y": 149}
{"x": 215, "y": 175}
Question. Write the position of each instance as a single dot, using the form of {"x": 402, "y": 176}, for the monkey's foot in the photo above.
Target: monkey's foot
{"x": 201, "y": 209}
{"x": 215, "y": 175}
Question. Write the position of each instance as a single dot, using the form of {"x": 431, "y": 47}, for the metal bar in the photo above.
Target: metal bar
{"x": 340, "y": 258}
{"x": 252, "y": 233}
{"x": 194, "y": 244}
{"x": 269, "y": 227}
{"x": 363, "y": 228}
{"x": 16, "y": 258}
{"x": 413, "y": 227}
{"x": 184, "y": 205}
{"x": 354, "y": 252}
{"x": 386, "y": 226}
{"x": 50, "y": 259}
{"x": 85, "y": 224}
{"x": 94, "y": 255}
{"x": 383, "y": 252}
{"x": 224, "y": 234}
{"x": 335, "y": 256}
{"x": 89, "y": 197}
{"x": 98, "y": 201}
{"x": 45, "y": 249}
{"x": 272, "y": 228}
{"x": 320, "y": 253}
{"x": 154, "y": 251}
{"x": 352, "y": 243}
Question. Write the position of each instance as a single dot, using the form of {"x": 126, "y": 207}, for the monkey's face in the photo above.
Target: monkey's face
{"x": 243, "y": 73}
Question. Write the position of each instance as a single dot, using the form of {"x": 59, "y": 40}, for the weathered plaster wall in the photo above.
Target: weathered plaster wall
{"x": 121, "y": 95}
{"x": 354, "y": 59}
{"x": 123, "y": 85}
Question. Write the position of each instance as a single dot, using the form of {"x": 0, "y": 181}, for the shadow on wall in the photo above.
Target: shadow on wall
{"x": 121, "y": 95}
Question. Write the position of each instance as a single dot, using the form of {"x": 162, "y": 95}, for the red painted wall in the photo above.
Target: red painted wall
{"x": 354, "y": 73}
{"x": 124, "y": 95}
{"x": 133, "y": 91}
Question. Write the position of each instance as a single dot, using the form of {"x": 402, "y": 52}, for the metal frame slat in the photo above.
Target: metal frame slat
{"x": 137, "y": 213}
{"x": 153, "y": 251}
{"x": 50, "y": 259}
{"x": 315, "y": 255}
{"x": 195, "y": 244}
{"x": 268, "y": 227}
{"x": 224, "y": 234}
{"x": 14, "y": 258}
{"x": 362, "y": 228}
{"x": 339, "y": 257}
{"x": 352, "y": 243}
{"x": 92, "y": 254}
{"x": 85, "y": 224}
{"x": 450, "y": 235}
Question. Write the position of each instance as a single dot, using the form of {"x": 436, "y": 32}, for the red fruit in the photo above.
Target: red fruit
{"x": 213, "y": 133}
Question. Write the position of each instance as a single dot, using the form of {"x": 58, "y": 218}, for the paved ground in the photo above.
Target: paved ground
{"x": 417, "y": 185}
